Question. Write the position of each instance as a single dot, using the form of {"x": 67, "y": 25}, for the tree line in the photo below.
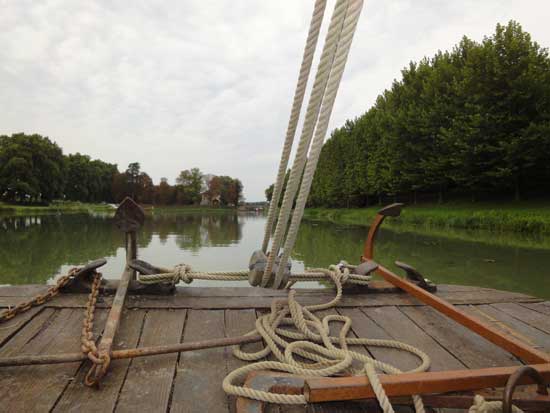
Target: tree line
{"x": 471, "y": 122}
{"x": 33, "y": 169}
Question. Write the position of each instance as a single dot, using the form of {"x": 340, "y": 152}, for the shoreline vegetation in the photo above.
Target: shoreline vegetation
{"x": 70, "y": 207}
{"x": 513, "y": 217}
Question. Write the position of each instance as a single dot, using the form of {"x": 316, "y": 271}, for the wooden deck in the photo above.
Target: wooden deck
{"x": 191, "y": 382}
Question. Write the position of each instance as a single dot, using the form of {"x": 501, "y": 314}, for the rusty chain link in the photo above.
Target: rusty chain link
{"x": 100, "y": 361}
{"x": 40, "y": 298}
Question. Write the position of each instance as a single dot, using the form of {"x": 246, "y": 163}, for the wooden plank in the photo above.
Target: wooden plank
{"x": 80, "y": 398}
{"x": 239, "y": 322}
{"x": 27, "y": 290}
{"x": 11, "y": 327}
{"x": 37, "y": 388}
{"x": 471, "y": 349}
{"x": 149, "y": 380}
{"x": 510, "y": 325}
{"x": 244, "y": 302}
{"x": 16, "y": 343}
{"x": 401, "y": 328}
{"x": 198, "y": 383}
{"x": 543, "y": 308}
{"x": 531, "y": 317}
{"x": 364, "y": 327}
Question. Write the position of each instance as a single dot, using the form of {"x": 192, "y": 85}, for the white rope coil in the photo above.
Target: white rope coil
{"x": 483, "y": 406}
{"x": 313, "y": 343}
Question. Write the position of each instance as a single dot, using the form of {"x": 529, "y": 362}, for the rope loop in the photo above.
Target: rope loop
{"x": 483, "y": 406}
{"x": 182, "y": 273}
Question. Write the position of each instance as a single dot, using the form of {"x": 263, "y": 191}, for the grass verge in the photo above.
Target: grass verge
{"x": 522, "y": 217}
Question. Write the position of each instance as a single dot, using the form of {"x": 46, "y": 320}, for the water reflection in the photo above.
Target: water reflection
{"x": 442, "y": 259}
{"x": 36, "y": 249}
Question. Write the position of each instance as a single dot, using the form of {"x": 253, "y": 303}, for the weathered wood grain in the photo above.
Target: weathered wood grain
{"x": 37, "y": 388}
{"x": 197, "y": 386}
{"x": 148, "y": 383}
{"x": 511, "y": 325}
{"x": 80, "y": 398}
{"x": 531, "y": 317}
{"x": 471, "y": 349}
{"x": 400, "y": 328}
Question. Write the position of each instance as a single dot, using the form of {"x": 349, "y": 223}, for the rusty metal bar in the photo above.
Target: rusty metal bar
{"x": 326, "y": 389}
{"x": 113, "y": 320}
{"x": 507, "y": 342}
{"x": 130, "y": 353}
{"x": 392, "y": 210}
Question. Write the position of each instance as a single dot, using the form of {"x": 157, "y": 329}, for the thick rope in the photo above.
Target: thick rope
{"x": 184, "y": 272}
{"x": 350, "y": 24}
{"x": 315, "y": 344}
{"x": 482, "y": 406}
{"x": 309, "y": 51}
{"x": 312, "y": 114}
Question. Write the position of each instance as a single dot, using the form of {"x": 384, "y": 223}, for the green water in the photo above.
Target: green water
{"x": 36, "y": 249}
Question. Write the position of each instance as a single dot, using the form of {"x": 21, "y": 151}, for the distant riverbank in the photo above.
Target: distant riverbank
{"x": 68, "y": 207}
{"x": 54, "y": 207}
{"x": 523, "y": 217}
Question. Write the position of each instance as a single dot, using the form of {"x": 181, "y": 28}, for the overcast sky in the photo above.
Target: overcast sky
{"x": 208, "y": 84}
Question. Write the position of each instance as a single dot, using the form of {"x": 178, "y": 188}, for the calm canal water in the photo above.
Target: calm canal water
{"x": 36, "y": 249}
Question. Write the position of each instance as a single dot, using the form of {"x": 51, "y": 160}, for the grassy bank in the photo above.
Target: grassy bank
{"x": 54, "y": 207}
{"x": 524, "y": 217}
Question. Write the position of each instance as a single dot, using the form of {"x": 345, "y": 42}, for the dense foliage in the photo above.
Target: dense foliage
{"x": 33, "y": 170}
{"x": 473, "y": 122}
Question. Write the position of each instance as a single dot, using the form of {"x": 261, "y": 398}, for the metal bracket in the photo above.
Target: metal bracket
{"x": 143, "y": 267}
{"x": 257, "y": 265}
{"x": 82, "y": 280}
{"x": 414, "y": 275}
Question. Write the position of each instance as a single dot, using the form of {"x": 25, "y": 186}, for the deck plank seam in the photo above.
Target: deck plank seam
{"x": 534, "y": 308}
{"x": 176, "y": 364}
{"x": 514, "y": 315}
{"x": 20, "y": 325}
{"x": 433, "y": 338}
{"x": 130, "y": 363}
{"x": 357, "y": 335}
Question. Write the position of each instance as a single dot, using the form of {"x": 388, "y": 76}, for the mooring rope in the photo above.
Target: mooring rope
{"x": 184, "y": 272}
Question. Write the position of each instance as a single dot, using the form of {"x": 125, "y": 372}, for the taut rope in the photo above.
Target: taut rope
{"x": 327, "y": 80}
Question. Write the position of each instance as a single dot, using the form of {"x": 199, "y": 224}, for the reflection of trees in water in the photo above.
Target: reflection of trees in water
{"x": 33, "y": 249}
{"x": 194, "y": 231}
{"x": 320, "y": 244}
{"x": 441, "y": 259}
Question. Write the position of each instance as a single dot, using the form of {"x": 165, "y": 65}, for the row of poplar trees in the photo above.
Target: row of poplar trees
{"x": 472, "y": 122}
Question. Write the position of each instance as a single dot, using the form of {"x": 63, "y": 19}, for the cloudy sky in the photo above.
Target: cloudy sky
{"x": 208, "y": 84}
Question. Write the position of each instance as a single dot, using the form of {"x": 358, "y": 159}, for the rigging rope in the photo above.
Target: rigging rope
{"x": 312, "y": 112}
{"x": 309, "y": 51}
{"x": 329, "y": 73}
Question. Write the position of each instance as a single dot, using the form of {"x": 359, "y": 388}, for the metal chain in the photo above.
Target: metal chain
{"x": 100, "y": 361}
{"x": 40, "y": 298}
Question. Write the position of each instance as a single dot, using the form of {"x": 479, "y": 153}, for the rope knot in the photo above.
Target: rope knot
{"x": 182, "y": 273}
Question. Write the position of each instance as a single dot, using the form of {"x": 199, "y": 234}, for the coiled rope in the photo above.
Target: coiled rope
{"x": 483, "y": 406}
{"x": 314, "y": 343}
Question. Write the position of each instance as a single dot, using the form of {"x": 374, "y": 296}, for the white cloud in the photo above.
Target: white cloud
{"x": 175, "y": 85}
